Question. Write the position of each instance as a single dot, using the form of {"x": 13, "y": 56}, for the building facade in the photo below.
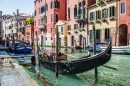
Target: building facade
{"x": 124, "y": 23}
{"x": 10, "y": 24}
{"x": 29, "y": 31}
{"x": 1, "y": 30}
{"x": 104, "y": 15}
{"x": 77, "y": 29}
{"x": 47, "y": 13}
{"x": 62, "y": 30}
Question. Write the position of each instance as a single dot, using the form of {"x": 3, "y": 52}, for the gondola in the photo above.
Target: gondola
{"x": 80, "y": 65}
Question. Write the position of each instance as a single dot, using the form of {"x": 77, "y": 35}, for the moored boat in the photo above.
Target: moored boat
{"x": 82, "y": 64}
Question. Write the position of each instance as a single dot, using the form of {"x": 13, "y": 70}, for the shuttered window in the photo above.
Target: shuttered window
{"x": 51, "y": 5}
{"x": 84, "y": 11}
{"x": 107, "y": 35}
{"x": 75, "y": 26}
{"x": 104, "y": 13}
{"x": 46, "y": 19}
{"x": 51, "y": 17}
{"x": 92, "y": 16}
{"x": 111, "y": 11}
{"x": 57, "y": 4}
{"x": 75, "y": 12}
{"x": 91, "y": 35}
{"x": 68, "y": 13}
{"x": 57, "y": 18}
{"x": 123, "y": 8}
{"x": 55, "y": 30}
{"x": 98, "y": 35}
{"x": 61, "y": 29}
{"x": 69, "y": 28}
{"x": 51, "y": 30}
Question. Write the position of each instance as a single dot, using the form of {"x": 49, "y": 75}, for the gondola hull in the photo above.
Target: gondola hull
{"x": 79, "y": 65}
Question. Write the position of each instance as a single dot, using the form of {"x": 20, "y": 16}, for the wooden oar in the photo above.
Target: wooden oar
{"x": 109, "y": 67}
{"x": 102, "y": 65}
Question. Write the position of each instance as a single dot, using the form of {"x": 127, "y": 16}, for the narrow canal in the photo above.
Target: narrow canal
{"x": 106, "y": 77}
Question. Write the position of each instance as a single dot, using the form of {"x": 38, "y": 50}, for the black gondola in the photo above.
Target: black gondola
{"x": 79, "y": 65}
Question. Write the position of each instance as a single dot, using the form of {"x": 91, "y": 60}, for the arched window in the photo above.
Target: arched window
{"x": 75, "y": 11}
{"x": 57, "y": 4}
{"x": 51, "y": 5}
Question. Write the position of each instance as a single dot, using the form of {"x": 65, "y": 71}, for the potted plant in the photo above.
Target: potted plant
{"x": 91, "y": 22}
{"x": 83, "y": 29}
{"x": 27, "y": 33}
{"x": 103, "y": 20}
{"x": 79, "y": 29}
{"x": 22, "y": 32}
{"x": 75, "y": 31}
{"x": 112, "y": 18}
{"x": 97, "y": 21}
{"x": 100, "y": 2}
{"x": 68, "y": 32}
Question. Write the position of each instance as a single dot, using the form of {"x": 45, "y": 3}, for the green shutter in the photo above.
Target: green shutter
{"x": 62, "y": 29}
{"x": 109, "y": 12}
{"x": 95, "y": 15}
{"x": 102, "y": 14}
{"x": 113, "y": 11}
{"x": 106, "y": 13}
{"x": 91, "y": 35}
{"x": 55, "y": 30}
{"x": 89, "y": 16}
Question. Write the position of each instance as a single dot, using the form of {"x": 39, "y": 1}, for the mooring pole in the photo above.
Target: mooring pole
{"x": 94, "y": 46}
{"x": 14, "y": 43}
{"x": 57, "y": 44}
{"x": 128, "y": 40}
{"x": 37, "y": 49}
{"x": 7, "y": 42}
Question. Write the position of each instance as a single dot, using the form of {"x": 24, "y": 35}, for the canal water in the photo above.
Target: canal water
{"x": 106, "y": 76}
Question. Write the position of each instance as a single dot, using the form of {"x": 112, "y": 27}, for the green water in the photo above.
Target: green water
{"x": 106, "y": 77}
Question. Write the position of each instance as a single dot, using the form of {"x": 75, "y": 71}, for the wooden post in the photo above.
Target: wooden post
{"x": 128, "y": 40}
{"x": 37, "y": 48}
{"x": 57, "y": 44}
{"x": 83, "y": 43}
{"x": 94, "y": 46}
{"x": 7, "y": 42}
{"x": 14, "y": 43}
{"x": 116, "y": 35}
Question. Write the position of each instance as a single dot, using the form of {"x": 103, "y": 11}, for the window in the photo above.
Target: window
{"x": 35, "y": 13}
{"x": 20, "y": 23}
{"x": 10, "y": 27}
{"x": 51, "y": 30}
{"x": 123, "y": 8}
{"x": 39, "y": 10}
{"x": 51, "y": 5}
{"x": 107, "y": 35}
{"x": 97, "y": 15}
{"x": 68, "y": 13}
{"x": 57, "y": 18}
{"x": 57, "y": 4}
{"x": 38, "y": 1}
{"x": 69, "y": 28}
{"x": 46, "y": 30}
{"x": 46, "y": 7}
{"x": 97, "y": 35}
{"x": 91, "y": 35}
{"x": 51, "y": 17}
{"x": 35, "y": 23}
{"x": 80, "y": 25}
{"x": 39, "y": 22}
{"x": 92, "y": 16}
{"x": 27, "y": 30}
{"x": 61, "y": 29}
{"x": 111, "y": 11}
{"x": 42, "y": 9}
{"x": 104, "y": 13}
{"x": 75, "y": 11}
{"x": 46, "y": 19}
{"x": 35, "y": 3}
{"x": 27, "y": 37}
{"x": 55, "y": 31}
{"x": 19, "y": 35}
{"x": 75, "y": 26}
{"x": 41, "y": 0}
{"x": 51, "y": 38}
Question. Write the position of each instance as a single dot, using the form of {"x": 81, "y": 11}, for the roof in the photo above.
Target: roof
{"x": 61, "y": 22}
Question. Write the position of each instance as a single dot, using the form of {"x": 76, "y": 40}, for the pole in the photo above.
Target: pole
{"x": 37, "y": 48}
{"x": 128, "y": 40}
{"x": 57, "y": 44}
{"x": 94, "y": 46}
{"x": 14, "y": 43}
{"x": 7, "y": 41}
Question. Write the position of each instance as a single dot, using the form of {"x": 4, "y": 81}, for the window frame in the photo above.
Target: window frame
{"x": 120, "y": 8}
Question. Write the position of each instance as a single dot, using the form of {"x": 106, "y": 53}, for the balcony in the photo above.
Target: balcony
{"x": 27, "y": 33}
{"x": 42, "y": 26}
{"x": 81, "y": 18}
{"x": 42, "y": 15}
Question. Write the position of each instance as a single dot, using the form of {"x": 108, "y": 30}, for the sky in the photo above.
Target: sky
{"x": 10, "y": 6}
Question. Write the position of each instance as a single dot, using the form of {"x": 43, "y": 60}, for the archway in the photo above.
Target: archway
{"x": 72, "y": 40}
{"x": 80, "y": 40}
{"x": 123, "y": 31}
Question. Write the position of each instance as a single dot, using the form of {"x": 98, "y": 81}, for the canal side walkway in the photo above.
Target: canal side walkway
{"x": 12, "y": 74}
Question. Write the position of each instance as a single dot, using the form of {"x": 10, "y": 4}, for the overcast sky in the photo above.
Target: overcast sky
{"x": 10, "y": 6}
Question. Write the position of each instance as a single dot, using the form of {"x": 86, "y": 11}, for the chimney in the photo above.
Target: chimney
{"x": 17, "y": 12}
